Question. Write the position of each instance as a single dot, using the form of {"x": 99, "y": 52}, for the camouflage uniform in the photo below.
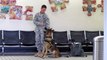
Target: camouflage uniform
{"x": 41, "y": 21}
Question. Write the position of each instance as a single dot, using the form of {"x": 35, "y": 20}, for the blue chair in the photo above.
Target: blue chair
{"x": 60, "y": 37}
{"x": 78, "y": 42}
{"x": 61, "y": 41}
{"x": 101, "y": 32}
{"x": 11, "y": 41}
{"x": 28, "y": 41}
{"x": 77, "y": 36}
{"x": 1, "y": 42}
{"x": 90, "y": 36}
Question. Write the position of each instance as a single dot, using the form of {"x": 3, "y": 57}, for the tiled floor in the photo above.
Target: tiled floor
{"x": 89, "y": 57}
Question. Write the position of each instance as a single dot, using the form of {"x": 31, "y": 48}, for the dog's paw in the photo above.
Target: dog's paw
{"x": 36, "y": 55}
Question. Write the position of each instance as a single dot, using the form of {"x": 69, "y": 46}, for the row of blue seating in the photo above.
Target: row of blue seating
{"x": 76, "y": 36}
{"x": 24, "y": 41}
{"x": 83, "y": 37}
{"x": 17, "y": 41}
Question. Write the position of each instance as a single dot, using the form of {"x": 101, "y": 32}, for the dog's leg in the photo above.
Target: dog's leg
{"x": 45, "y": 53}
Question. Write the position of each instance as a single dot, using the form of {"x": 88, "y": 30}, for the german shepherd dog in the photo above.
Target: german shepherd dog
{"x": 49, "y": 45}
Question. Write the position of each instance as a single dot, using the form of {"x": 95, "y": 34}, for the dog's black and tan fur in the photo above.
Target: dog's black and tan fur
{"x": 49, "y": 45}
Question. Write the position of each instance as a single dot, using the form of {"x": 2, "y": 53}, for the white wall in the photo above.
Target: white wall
{"x": 72, "y": 18}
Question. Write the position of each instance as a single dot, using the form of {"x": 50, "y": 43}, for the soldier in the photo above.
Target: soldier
{"x": 41, "y": 21}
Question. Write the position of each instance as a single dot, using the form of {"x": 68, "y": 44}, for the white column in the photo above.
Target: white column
{"x": 105, "y": 30}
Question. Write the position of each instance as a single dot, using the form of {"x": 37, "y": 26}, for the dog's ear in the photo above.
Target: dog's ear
{"x": 52, "y": 30}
